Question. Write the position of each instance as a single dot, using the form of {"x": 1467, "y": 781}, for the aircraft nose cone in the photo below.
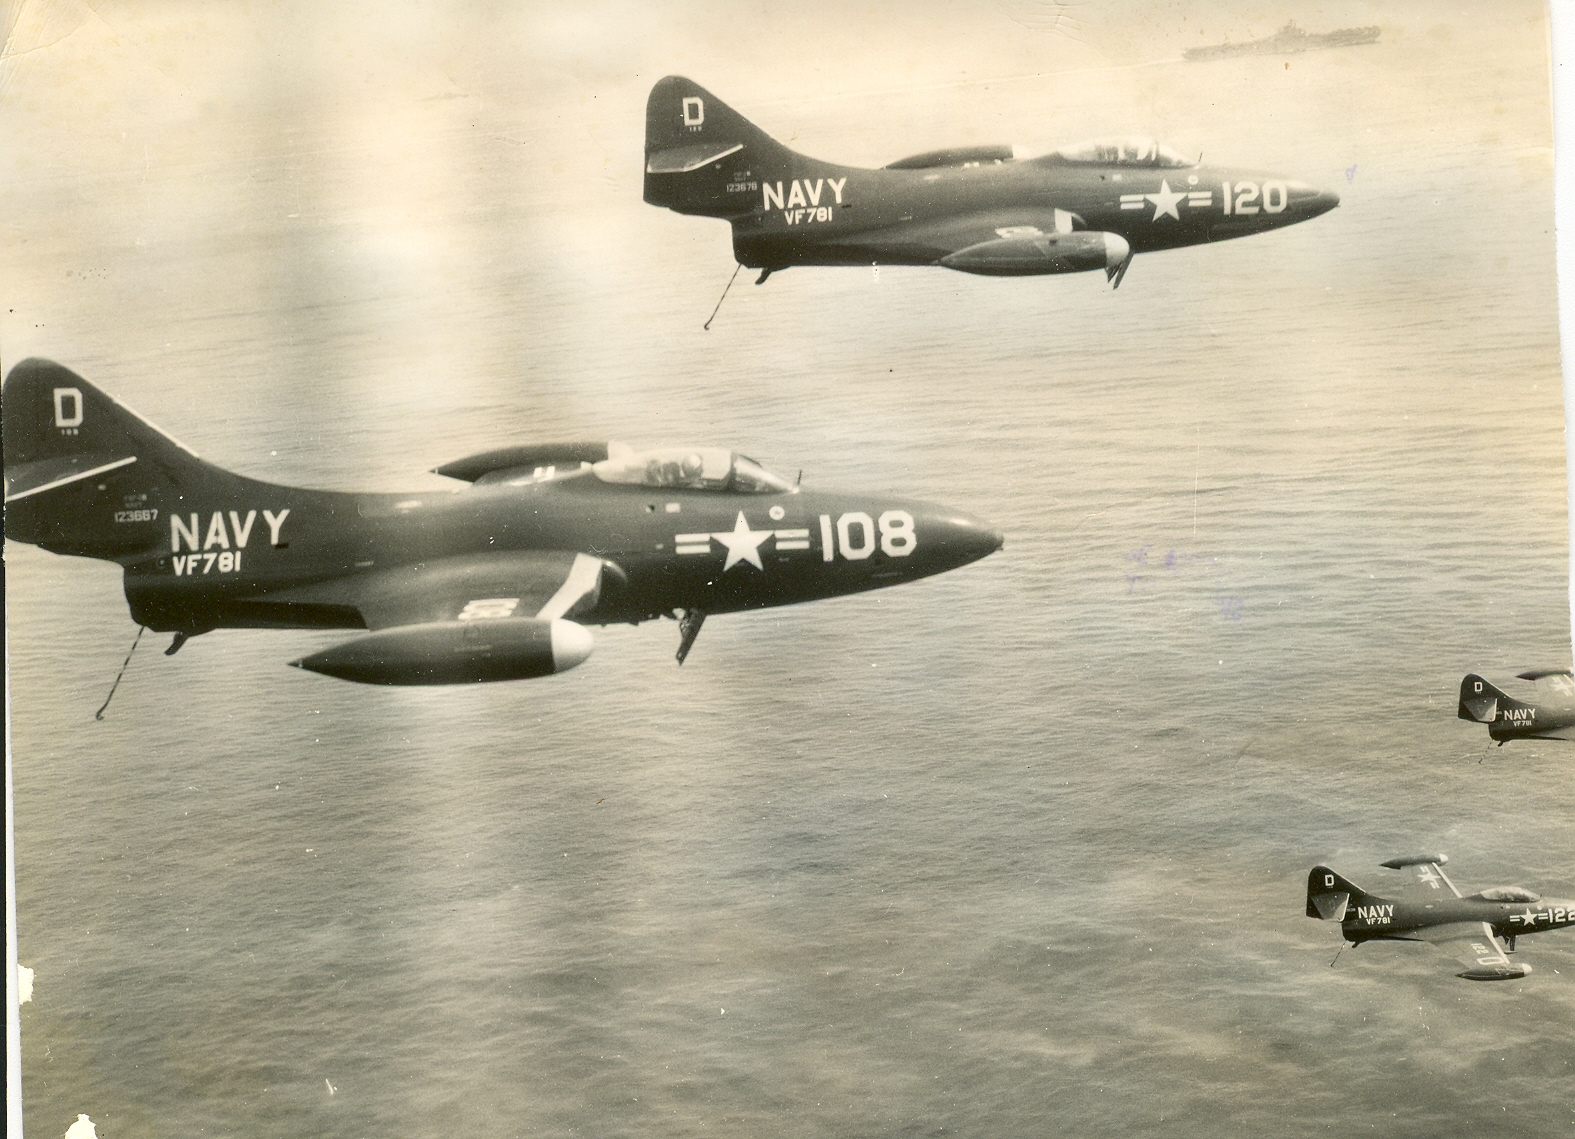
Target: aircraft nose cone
{"x": 1322, "y": 202}
{"x": 957, "y": 539}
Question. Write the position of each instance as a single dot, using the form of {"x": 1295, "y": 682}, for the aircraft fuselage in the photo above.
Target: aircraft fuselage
{"x": 251, "y": 557}
{"x": 1383, "y": 919}
{"x": 1547, "y": 712}
{"x": 836, "y": 215}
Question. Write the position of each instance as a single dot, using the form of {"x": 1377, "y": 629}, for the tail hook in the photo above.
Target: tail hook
{"x": 99, "y": 715}
{"x": 718, "y": 307}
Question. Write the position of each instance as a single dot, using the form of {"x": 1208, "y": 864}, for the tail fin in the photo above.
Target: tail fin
{"x": 84, "y": 474}
{"x": 1328, "y": 894}
{"x": 1481, "y": 702}
{"x": 703, "y": 157}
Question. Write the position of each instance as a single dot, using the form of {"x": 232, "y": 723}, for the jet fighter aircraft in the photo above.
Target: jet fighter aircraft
{"x": 1469, "y": 927}
{"x": 492, "y": 582}
{"x": 977, "y": 209}
{"x": 1548, "y": 712}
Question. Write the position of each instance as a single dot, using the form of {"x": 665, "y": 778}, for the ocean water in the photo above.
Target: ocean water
{"x": 1018, "y": 849}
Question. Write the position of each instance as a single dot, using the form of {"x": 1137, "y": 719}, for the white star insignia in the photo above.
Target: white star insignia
{"x": 1165, "y": 201}
{"x": 743, "y": 544}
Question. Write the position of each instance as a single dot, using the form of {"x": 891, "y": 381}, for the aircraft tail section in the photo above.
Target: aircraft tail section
{"x": 703, "y": 157}
{"x": 1481, "y": 702}
{"x": 1329, "y": 895}
{"x": 86, "y": 475}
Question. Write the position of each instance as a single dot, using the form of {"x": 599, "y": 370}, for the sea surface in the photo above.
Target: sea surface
{"x": 1020, "y": 849}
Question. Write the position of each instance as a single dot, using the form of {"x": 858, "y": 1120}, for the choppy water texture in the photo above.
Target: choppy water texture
{"x": 1017, "y": 850}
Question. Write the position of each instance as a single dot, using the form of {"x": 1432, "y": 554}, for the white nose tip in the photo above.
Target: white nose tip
{"x": 571, "y": 644}
{"x": 1116, "y": 250}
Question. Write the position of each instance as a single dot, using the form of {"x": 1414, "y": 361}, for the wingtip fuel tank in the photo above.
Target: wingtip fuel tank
{"x": 455, "y": 652}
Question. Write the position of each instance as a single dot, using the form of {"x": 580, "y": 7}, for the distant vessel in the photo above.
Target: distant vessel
{"x": 1290, "y": 38}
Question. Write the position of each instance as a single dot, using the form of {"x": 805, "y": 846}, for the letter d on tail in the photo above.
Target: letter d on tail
{"x": 1479, "y": 700}
{"x": 1325, "y": 899}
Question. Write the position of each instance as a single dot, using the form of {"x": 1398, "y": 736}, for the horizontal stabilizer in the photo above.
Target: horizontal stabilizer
{"x": 23, "y": 480}
{"x": 683, "y": 159}
{"x": 1331, "y": 907}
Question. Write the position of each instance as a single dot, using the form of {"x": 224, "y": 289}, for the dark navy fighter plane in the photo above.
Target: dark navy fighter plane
{"x": 1467, "y": 926}
{"x": 977, "y": 209}
{"x": 494, "y": 582}
{"x": 1546, "y": 713}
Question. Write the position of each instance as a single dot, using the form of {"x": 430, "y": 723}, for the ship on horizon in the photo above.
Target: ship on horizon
{"x": 1290, "y": 38}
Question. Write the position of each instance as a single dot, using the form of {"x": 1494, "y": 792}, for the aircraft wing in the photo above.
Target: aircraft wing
{"x": 1554, "y": 697}
{"x": 1429, "y": 869}
{"x": 1552, "y": 686}
{"x": 998, "y": 243}
{"x": 544, "y": 584}
{"x": 1475, "y": 947}
{"x": 943, "y": 236}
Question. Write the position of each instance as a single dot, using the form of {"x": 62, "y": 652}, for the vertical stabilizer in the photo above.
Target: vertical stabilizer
{"x": 703, "y": 157}
{"x": 85, "y": 474}
{"x": 1480, "y": 701}
{"x": 1329, "y": 895}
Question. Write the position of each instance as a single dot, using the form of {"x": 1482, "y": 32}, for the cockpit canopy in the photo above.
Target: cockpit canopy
{"x": 691, "y": 468}
{"x": 1134, "y": 150}
{"x": 1509, "y": 894}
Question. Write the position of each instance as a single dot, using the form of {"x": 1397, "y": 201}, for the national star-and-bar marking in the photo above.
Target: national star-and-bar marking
{"x": 1551, "y": 914}
{"x": 743, "y": 544}
{"x": 1165, "y": 200}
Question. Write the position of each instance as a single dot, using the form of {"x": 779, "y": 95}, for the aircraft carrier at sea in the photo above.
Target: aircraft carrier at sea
{"x": 1290, "y": 38}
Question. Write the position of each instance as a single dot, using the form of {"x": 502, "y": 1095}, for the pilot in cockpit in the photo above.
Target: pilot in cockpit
{"x": 671, "y": 471}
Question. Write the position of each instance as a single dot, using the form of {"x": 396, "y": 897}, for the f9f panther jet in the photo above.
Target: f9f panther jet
{"x": 1547, "y": 713}
{"x": 493, "y": 582}
{"x": 977, "y": 209}
{"x": 1470, "y": 927}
